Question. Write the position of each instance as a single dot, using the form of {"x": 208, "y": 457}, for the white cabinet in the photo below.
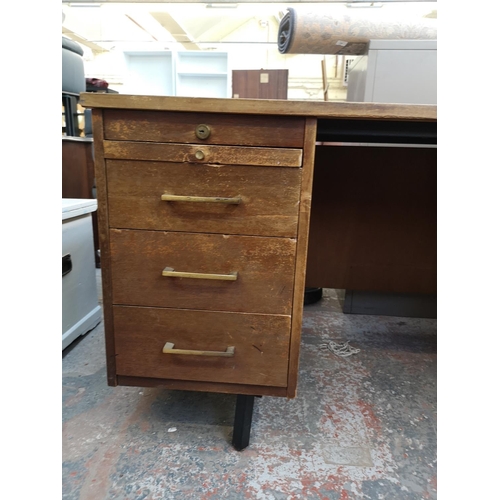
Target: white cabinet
{"x": 395, "y": 71}
{"x": 80, "y": 308}
{"x": 185, "y": 73}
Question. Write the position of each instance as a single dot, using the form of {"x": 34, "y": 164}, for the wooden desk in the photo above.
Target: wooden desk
{"x": 237, "y": 330}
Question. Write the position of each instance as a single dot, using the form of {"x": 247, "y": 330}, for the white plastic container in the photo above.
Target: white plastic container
{"x": 81, "y": 311}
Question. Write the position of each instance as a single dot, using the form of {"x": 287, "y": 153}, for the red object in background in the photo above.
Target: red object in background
{"x": 95, "y": 82}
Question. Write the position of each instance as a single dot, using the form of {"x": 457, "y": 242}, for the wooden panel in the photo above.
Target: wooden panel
{"x": 348, "y": 110}
{"x": 373, "y": 220}
{"x": 260, "y": 341}
{"x": 188, "y": 385}
{"x": 102, "y": 212}
{"x": 77, "y": 168}
{"x": 155, "y": 126}
{"x": 265, "y": 268}
{"x": 260, "y": 83}
{"x": 269, "y": 198}
{"x": 302, "y": 244}
{"x": 217, "y": 155}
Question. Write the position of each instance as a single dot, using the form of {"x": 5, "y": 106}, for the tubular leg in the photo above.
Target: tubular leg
{"x": 242, "y": 421}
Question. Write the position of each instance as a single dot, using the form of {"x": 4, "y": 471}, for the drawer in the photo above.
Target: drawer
{"x": 264, "y": 267}
{"x": 262, "y": 201}
{"x": 244, "y": 130}
{"x": 259, "y": 356}
{"x": 203, "y": 154}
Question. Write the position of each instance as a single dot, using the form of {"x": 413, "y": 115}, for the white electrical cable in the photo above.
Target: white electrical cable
{"x": 343, "y": 350}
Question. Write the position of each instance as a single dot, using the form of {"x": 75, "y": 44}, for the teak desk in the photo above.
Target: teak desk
{"x": 204, "y": 218}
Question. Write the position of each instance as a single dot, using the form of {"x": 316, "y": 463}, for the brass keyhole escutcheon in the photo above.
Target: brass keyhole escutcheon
{"x": 200, "y": 155}
{"x": 202, "y": 131}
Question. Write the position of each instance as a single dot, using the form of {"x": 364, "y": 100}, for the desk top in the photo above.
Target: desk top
{"x": 317, "y": 109}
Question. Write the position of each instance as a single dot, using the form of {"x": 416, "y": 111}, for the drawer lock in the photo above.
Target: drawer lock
{"x": 202, "y": 131}
{"x": 168, "y": 348}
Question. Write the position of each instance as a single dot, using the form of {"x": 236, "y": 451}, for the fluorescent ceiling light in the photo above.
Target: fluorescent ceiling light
{"x": 365, "y": 5}
{"x": 92, "y": 4}
{"x": 221, "y": 5}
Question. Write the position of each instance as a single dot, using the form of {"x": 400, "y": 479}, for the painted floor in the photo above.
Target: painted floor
{"x": 362, "y": 427}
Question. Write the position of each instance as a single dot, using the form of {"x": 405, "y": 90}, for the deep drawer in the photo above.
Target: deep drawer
{"x": 164, "y": 126}
{"x": 259, "y": 356}
{"x": 236, "y": 273}
{"x": 225, "y": 199}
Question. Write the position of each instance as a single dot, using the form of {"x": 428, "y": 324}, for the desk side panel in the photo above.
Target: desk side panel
{"x": 302, "y": 239}
{"x": 102, "y": 213}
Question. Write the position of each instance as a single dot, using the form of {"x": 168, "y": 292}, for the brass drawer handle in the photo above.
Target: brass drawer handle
{"x": 202, "y": 199}
{"x": 168, "y": 348}
{"x": 169, "y": 272}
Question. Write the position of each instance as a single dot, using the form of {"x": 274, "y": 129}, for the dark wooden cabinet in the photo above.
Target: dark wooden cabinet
{"x": 260, "y": 84}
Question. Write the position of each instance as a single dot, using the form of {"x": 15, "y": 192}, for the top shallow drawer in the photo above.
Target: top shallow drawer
{"x": 242, "y": 130}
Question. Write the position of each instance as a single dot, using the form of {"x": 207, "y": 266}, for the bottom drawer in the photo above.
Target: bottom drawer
{"x": 259, "y": 356}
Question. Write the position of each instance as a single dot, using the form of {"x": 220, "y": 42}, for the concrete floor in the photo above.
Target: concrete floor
{"x": 362, "y": 427}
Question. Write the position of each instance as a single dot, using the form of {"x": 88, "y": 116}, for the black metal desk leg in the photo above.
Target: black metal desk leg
{"x": 242, "y": 421}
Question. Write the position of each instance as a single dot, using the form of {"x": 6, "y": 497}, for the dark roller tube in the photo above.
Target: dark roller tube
{"x": 286, "y": 31}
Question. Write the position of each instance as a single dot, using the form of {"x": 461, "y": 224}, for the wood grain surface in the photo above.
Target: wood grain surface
{"x": 217, "y": 155}
{"x": 189, "y": 385}
{"x": 313, "y": 109}
{"x": 102, "y": 213}
{"x": 260, "y": 84}
{"x": 260, "y": 342}
{"x": 225, "y": 129}
{"x": 374, "y": 220}
{"x": 265, "y": 268}
{"x": 77, "y": 168}
{"x": 269, "y": 198}
{"x": 372, "y": 227}
{"x": 302, "y": 245}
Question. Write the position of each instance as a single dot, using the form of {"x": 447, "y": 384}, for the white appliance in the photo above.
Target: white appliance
{"x": 81, "y": 311}
{"x": 395, "y": 71}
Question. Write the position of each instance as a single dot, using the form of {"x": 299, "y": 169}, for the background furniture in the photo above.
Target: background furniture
{"x": 395, "y": 71}
{"x": 260, "y": 83}
{"x": 73, "y": 83}
{"x": 184, "y": 73}
{"x": 80, "y": 309}
{"x": 227, "y": 149}
{"x": 78, "y": 178}
{"x": 77, "y": 166}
